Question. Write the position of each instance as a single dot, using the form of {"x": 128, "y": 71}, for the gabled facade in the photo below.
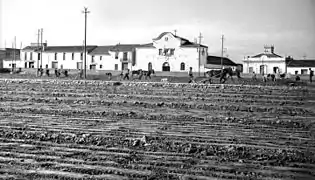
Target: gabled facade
{"x": 265, "y": 63}
{"x": 169, "y": 52}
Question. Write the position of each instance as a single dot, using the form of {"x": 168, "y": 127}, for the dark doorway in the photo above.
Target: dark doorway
{"x": 166, "y": 67}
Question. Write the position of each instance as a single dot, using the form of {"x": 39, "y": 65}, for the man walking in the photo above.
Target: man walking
{"x": 311, "y": 75}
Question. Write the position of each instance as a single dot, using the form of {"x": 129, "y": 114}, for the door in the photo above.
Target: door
{"x": 262, "y": 69}
{"x": 31, "y": 65}
{"x": 79, "y": 65}
{"x": 92, "y": 67}
{"x": 124, "y": 66}
{"x": 149, "y": 66}
{"x": 25, "y": 65}
{"x": 250, "y": 70}
{"x": 166, "y": 67}
{"x": 54, "y": 65}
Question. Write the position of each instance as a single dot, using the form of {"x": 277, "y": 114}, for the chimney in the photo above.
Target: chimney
{"x": 272, "y": 49}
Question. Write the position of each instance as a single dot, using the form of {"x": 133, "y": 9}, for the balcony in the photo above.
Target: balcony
{"x": 125, "y": 60}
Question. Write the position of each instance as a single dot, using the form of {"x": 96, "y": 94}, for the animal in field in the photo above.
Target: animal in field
{"x": 223, "y": 74}
{"x": 164, "y": 80}
{"x": 147, "y": 74}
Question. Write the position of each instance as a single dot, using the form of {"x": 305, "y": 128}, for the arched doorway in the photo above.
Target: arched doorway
{"x": 166, "y": 67}
{"x": 149, "y": 66}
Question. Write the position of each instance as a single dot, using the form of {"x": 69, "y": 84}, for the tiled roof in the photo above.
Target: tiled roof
{"x": 301, "y": 63}
{"x": 191, "y": 44}
{"x": 269, "y": 55}
{"x": 101, "y": 50}
{"x": 69, "y": 48}
{"x": 61, "y": 48}
{"x": 124, "y": 47}
{"x": 216, "y": 60}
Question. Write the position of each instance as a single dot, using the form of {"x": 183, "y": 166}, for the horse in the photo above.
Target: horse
{"x": 223, "y": 74}
{"x": 218, "y": 74}
{"x": 148, "y": 73}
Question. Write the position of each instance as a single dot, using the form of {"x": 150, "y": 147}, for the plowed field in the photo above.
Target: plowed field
{"x": 62, "y": 129}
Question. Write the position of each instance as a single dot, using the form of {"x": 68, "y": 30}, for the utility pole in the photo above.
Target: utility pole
{"x": 14, "y": 53}
{"x": 41, "y": 48}
{"x": 85, "y": 15}
{"x": 199, "y": 51}
{"x": 222, "y": 39}
{"x": 38, "y": 34}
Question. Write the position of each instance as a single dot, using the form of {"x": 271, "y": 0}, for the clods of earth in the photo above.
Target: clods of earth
{"x": 67, "y": 129}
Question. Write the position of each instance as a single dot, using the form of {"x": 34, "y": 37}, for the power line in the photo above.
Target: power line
{"x": 85, "y": 16}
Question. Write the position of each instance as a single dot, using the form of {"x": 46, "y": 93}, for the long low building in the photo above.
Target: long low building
{"x": 167, "y": 52}
{"x": 300, "y": 66}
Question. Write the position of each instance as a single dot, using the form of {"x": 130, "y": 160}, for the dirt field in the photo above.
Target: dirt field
{"x": 62, "y": 129}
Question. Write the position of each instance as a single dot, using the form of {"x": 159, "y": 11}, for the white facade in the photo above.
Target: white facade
{"x": 167, "y": 53}
{"x": 169, "y": 50}
{"x": 265, "y": 63}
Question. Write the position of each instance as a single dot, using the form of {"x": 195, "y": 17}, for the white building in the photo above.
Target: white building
{"x": 265, "y": 63}
{"x": 300, "y": 66}
{"x": 169, "y": 52}
{"x": 61, "y": 57}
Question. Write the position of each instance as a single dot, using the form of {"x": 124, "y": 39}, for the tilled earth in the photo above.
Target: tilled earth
{"x": 62, "y": 129}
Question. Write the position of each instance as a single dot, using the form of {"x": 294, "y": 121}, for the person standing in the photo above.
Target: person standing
{"x": 191, "y": 76}
{"x": 126, "y": 75}
{"x": 311, "y": 75}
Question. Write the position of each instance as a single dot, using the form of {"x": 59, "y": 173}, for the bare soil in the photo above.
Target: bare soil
{"x": 67, "y": 129}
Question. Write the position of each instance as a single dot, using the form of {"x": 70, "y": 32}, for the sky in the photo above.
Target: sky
{"x": 247, "y": 25}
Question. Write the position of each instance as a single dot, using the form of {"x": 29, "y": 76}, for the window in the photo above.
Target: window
{"x": 116, "y": 66}
{"x": 31, "y": 56}
{"x": 149, "y": 66}
{"x": 9, "y": 65}
{"x": 100, "y": 58}
{"x": 182, "y": 66}
{"x": 64, "y": 56}
{"x": 303, "y": 71}
{"x": 25, "y": 56}
{"x": 125, "y": 55}
{"x": 46, "y": 66}
{"x": 61, "y": 66}
{"x": 38, "y": 56}
{"x": 81, "y": 56}
{"x": 165, "y": 51}
{"x": 72, "y": 56}
{"x": 55, "y": 56}
{"x": 116, "y": 55}
{"x": 172, "y": 52}
{"x": 166, "y": 38}
{"x": 160, "y": 52}
{"x": 296, "y": 72}
{"x": 101, "y": 66}
{"x": 92, "y": 59}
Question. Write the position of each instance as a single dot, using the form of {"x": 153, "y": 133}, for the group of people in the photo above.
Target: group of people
{"x": 277, "y": 75}
{"x": 58, "y": 72}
